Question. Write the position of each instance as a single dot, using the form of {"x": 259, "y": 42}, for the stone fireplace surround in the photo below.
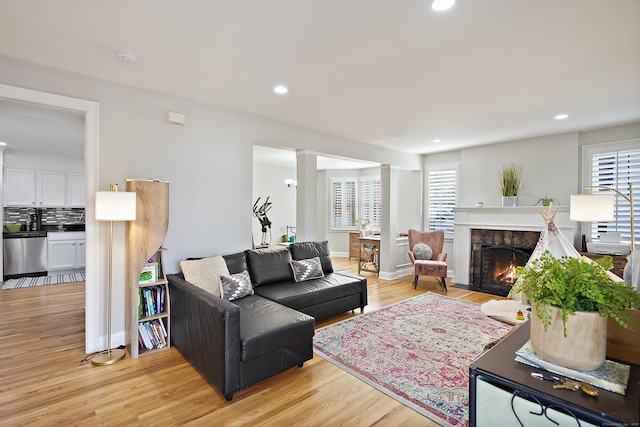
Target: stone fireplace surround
{"x": 521, "y": 218}
{"x": 495, "y": 254}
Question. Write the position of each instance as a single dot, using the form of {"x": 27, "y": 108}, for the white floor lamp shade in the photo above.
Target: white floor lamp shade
{"x": 113, "y": 206}
{"x": 591, "y": 208}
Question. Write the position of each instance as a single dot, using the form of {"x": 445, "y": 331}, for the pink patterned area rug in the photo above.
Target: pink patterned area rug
{"x": 417, "y": 351}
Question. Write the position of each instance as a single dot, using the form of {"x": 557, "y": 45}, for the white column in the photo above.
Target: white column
{"x": 389, "y": 229}
{"x": 307, "y": 195}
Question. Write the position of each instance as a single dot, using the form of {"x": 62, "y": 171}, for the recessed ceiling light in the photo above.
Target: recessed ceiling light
{"x": 280, "y": 90}
{"x": 3, "y": 143}
{"x": 437, "y": 140}
{"x": 561, "y": 116}
{"x": 440, "y": 5}
{"x": 125, "y": 56}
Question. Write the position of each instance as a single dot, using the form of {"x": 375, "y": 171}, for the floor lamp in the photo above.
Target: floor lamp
{"x": 113, "y": 206}
{"x": 592, "y": 208}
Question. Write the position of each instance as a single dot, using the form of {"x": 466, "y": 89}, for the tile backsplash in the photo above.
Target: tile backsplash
{"x": 50, "y": 216}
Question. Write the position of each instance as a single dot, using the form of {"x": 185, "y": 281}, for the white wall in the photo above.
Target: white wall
{"x": 550, "y": 166}
{"x": 410, "y": 200}
{"x": 268, "y": 181}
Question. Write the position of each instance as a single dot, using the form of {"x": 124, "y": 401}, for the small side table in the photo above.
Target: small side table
{"x": 495, "y": 377}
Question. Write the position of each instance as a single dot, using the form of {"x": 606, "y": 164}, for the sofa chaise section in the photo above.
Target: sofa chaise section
{"x": 240, "y": 343}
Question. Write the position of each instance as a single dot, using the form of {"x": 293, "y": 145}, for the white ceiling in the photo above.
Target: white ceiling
{"x": 389, "y": 73}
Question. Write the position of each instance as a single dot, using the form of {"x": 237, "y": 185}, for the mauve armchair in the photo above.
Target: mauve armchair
{"x": 437, "y": 265}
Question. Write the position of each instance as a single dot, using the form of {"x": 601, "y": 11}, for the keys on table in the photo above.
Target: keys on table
{"x": 567, "y": 384}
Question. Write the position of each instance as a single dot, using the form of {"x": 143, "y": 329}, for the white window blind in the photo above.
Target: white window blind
{"x": 370, "y": 197}
{"x": 616, "y": 169}
{"x": 344, "y": 206}
{"x": 442, "y": 199}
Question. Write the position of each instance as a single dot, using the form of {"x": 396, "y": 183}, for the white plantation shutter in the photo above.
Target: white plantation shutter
{"x": 441, "y": 199}
{"x": 365, "y": 200}
{"x": 344, "y": 194}
{"x": 370, "y": 195}
{"x": 616, "y": 169}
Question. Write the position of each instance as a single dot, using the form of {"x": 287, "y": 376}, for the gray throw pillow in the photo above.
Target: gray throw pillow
{"x": 422, "y": 251}
{"x": 235, "y": 286}
{"x": 306, "y": 269}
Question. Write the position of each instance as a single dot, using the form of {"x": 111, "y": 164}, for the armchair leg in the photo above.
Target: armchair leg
{"x": 444, "y": 284}
{"x": 415, "y": 282}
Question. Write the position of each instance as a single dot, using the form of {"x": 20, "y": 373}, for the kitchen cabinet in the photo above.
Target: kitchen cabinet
{"x": 66, "y": 250}
{"x": 76, "y": 190}
{"x": 43, "y": 188}
{"x": 51, "y": 188}
{"x": 19, "y": 187}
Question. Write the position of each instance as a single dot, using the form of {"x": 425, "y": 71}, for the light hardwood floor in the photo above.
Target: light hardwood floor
{"x": 43, "y": 381}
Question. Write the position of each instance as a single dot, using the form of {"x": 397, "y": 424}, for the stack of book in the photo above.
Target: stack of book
{"x": 152, "y": 334}
{"x": 151, "y": 301}
{"x": 149, "y": 273}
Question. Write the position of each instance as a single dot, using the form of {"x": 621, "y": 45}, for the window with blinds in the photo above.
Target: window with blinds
{"x": 441, "y": 199}
{"x": 370, "y": 195}
{"x": 344, "y": 193}
{"x": 616, "y": 168}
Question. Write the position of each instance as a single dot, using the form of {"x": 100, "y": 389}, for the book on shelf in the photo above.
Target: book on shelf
{"x": 140, "y": 303}
{"x": 152, "y": 334}
{"x": 149, "y": 274}
{"x": 151, "y": 301}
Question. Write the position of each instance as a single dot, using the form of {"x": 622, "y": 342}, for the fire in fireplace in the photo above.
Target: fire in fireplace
{"x": 495, "y": 254}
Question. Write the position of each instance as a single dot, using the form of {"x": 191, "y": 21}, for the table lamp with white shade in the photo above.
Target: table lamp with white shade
{"x": 113, "y": 206}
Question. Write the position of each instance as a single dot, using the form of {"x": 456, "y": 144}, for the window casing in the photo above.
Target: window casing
{"x": 615, "y": 165}
{"x": 441, "y": 197}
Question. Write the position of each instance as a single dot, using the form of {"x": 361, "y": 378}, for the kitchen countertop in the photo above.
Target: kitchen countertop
{"x": 48, "y": 229}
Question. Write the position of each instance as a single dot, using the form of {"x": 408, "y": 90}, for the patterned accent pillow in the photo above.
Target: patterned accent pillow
{"x": 306, "y": 269}
{"x": 236, "y": 286}
{"x": 205, "y": 273}
{"x": 422, "y": 251}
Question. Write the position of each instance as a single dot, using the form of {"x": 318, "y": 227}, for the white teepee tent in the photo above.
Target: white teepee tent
{"x": 553, "y": 240}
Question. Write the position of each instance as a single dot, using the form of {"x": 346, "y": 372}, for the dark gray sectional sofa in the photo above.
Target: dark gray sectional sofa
{"x": 235, "y": 344}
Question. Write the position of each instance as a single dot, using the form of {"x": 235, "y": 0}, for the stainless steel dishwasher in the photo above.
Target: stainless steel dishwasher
{"x": 25, "y": 254}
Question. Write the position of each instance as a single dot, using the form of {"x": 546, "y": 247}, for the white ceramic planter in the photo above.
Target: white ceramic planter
{"x": 509, "y": 201}
{"x": 584, "y": 348}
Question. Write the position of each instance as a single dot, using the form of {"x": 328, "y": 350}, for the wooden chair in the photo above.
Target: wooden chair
{"x": 368, "y": 253}
{"x": 437, "y": 265}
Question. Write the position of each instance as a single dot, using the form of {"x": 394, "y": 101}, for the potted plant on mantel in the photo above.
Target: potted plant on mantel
{"x": 547, "y": 201}
{"x": 571, "y": 299}
{"x": 510, "y": 181}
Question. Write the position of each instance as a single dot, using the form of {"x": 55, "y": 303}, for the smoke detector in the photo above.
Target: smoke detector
{"x": 125, "y": 56}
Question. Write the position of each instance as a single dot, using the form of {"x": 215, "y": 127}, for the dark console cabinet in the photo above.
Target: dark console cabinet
{"x": 498, "y": 383}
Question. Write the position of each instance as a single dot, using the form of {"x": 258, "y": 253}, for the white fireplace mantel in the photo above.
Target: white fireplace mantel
{"x": 521, "y": 218}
